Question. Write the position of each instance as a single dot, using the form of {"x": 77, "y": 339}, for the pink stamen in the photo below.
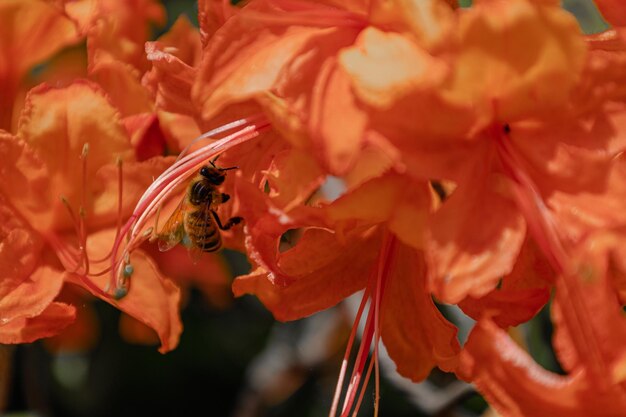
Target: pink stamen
{"x": 371, "y": 333}
{"x": 164, "y": 186}
{"x": 346, "y": 357}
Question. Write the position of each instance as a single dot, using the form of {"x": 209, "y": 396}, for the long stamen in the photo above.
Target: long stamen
{"x": 82, "y": 237}
{"x": 371, "y": 333}
{"x": 357, "y": 407}
{"x": 118, "y": 225}
{"x": 346, "y": 357}
{"x": 163, "y": 187}
{"x": 73, "y": 262}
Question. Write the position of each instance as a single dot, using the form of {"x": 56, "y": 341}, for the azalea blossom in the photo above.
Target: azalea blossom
{"x": 479, "y": 152}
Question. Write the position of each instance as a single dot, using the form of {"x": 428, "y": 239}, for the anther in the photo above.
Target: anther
{"x": 85, "y": 150}
{"x": 128, "y": 271}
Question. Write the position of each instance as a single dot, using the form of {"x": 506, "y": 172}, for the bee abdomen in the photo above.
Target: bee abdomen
{"x": 205, "y": 236}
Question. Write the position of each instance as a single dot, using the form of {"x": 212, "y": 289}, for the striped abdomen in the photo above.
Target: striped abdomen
{"x": 202, "y": 230}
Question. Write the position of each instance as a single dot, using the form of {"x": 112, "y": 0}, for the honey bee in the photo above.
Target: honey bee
{"x": 195, "y": 221}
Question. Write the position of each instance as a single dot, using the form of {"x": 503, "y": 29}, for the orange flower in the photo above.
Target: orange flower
{"x": 67, "y": 154}
{"x": 509, "y": 105}
{"x": 591, "y": 352}
{"x": 363, "y": 240}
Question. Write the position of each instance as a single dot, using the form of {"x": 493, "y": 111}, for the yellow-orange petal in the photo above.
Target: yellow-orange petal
{"x": 293, "y": 176}
{"x": 336, "y": 122}
{"x": 428, "y": 21}
{"x": 44, "y": 159}
{"x": 415, "y": 333}
{"x": 384, "y": 67}
{"x": 122, "y": 83}
{"x": 402, "y": 204}
{"x": 516, "y": 59}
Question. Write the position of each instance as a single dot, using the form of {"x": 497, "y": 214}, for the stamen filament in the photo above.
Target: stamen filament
{"x": 346, "y": 357}
{"x": 164, "y": 186}
{"x": 363, "y": 389}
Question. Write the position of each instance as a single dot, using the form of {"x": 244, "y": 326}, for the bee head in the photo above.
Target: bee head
{"x": 214, "y": 175}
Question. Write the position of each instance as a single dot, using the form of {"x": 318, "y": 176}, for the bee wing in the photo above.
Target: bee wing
{"x": 174, "y": 229}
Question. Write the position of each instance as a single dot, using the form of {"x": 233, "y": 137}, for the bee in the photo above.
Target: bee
{"x": 195, "y": 221}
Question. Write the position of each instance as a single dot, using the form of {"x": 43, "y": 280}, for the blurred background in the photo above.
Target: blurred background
{"x": 233, "y": 358}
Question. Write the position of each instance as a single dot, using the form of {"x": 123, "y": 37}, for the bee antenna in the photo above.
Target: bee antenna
{"x": 227, "y": 169}
{"x": 214, "y": 160}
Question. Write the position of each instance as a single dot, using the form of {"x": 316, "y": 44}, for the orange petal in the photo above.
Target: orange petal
{"x": 32, "y": 296}
{"x": 211, "y": 274}
{"x": 518, "y": 387}
{"x": 45, "y": 157}
{"x": 322, "y": 271}
{"x": 415, "y": 333}
{"x": 178, "y": 129}
{"x": 395, "y": 199}
{"x": 122, "y": 82}
{"x": 516, "y": 59}
{"x": 264, "y": 225}
{"x": 292, "y": 178}
{"x": 428, "y": 20}
{"x": 211, "y": 16}
{"x": 137, "y": 177}
{"x": 174, "y": 58}
{"x": 225, "y": 76}
{"x": 145, "y": 135}
{"x": 24, "y": 44}
{"x": 49, "y": 322}
{"x": 83, "y": 334}
{"x": 407, "y": 68}
{"x": 134, "y": 331}
{"x": 336, "y": 123}
{"x": 589, "y": 319}
{"x": 19, "y": 252}
{"x": 170, "y": 79}
{"x": 152, "y": 299}
{"x": 520, "y": 295}
{"x": 557, "y": 153}
{"x": 467, "y": 256}
{"x": 120, "y": 30}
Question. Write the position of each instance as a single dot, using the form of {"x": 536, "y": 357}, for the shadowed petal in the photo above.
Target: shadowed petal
{"x": 414, "y": 332}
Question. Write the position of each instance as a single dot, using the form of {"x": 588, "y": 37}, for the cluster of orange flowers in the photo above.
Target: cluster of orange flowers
{"x": 480, "y": 150}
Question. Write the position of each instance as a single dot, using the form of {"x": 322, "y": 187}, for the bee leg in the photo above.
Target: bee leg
{"x": 230, "y": 223}
{"x": 225, "y": 197}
